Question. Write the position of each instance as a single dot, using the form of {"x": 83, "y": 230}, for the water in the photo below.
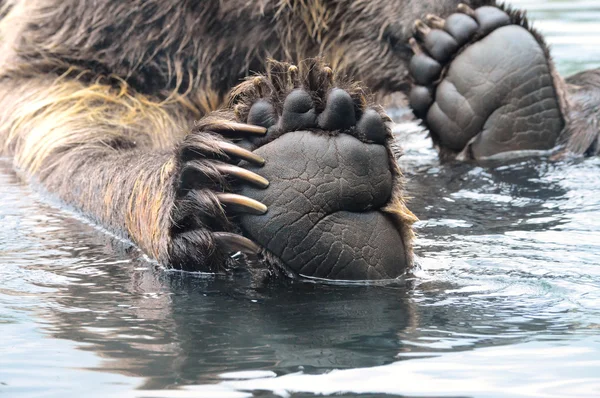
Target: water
{"x": 505, "y": 302}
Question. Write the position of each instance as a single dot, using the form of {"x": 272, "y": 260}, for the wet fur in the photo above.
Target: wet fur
{"x": 582, "y": 134}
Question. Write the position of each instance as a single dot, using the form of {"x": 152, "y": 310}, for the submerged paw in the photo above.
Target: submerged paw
{"x": 484, "y": 84}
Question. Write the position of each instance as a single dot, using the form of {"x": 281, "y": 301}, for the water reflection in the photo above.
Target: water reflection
{"x": 174, "y": 328}
{"x": 163, "y": 330}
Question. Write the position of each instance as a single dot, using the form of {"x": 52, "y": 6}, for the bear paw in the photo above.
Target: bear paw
{"x": 334, "y": 199}
{"x": 484, "y": 84}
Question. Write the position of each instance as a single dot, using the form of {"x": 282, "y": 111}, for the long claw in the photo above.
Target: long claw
{"x": 415, "y": 46}
{"x": 243, "y": 174}
{"x": 434, "y": 21}
{"x": 233, "y": 128}
{"x": 241, "y": 153}
{"x": 465, "y": 9}
{"x": 422, "y": 28}
{"x": 242, "y": 203}
{"x": 236, "y": 243}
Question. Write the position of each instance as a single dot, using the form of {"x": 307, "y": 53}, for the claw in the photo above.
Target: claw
{"x": 241, "y": 153}
{"x": 293, "y": 76}
{"x": 242, "y": 203}
{"x": 329, "y": 72}
{"x": 415, "y": 46}
{"x": 465, "y": 9}
{"x": 233, "y": 127}
{"x": 236, "y": 243}
{"x": 435, "y": 22}
{"x": 422, "y": 28}
{"x": 243, "y": 174}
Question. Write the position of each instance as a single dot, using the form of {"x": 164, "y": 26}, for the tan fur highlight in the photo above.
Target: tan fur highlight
{"x": 59, "y": 117}
{"x": 147, "y": 213}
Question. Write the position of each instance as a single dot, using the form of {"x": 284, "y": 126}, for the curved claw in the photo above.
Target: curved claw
{"x": 233, "y": 150}
{"x": 421, "y": 28}
{"x": 243, "y": 174}
{"x": 236, "y": 243}
{"x": 465, "y": 9}
{"x": 242, "y": 203}
{"x": 237, "y": 128}
{"x": 435, "y": 22}
{"x": 415, "y": 46}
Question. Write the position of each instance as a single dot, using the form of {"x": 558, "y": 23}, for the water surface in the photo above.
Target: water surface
{"x": 505, "y": 302}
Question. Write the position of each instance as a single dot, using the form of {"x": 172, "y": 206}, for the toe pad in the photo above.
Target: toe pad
{"x": 372, "y": 127}
{"x": 298, "y": 112}
{"x": 262, "y": 113}
{"x": 339, "y": 111}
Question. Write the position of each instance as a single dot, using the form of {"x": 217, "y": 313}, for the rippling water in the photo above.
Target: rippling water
{"x": 505, "y": 303}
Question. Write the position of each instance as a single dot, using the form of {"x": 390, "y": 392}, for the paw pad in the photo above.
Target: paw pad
{"x": 372, "y": 127}
{"x": 298, "y": 111}
{"x": 262, "y": 114}
{"x": 332, "y": 177}
{"x": 339, "y": 112}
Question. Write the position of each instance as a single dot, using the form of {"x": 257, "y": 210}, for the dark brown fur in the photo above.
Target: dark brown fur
{"x": 207, "y": 47}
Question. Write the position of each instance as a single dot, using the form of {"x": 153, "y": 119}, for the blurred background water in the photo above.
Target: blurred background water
{"x": 505, "y": 302}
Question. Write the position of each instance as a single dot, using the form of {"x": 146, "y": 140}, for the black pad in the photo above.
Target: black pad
{"x": 372, "y": 127}
{"x": 424, "y": 69}
{"x": 440, "y": 45}
{"x": 462, "y": 27}
{"x": 323, "y": 199}
{"x": 298, "y": 111}
{"x": 339, "y": 111}
{"x": 421, "y": 99}
{"x": 490, "y": 18}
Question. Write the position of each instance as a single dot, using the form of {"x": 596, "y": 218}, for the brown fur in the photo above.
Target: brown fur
{"x": 582, "y": 135}
{"x": 97, "y": 97}
{"x": 200, "y": 46}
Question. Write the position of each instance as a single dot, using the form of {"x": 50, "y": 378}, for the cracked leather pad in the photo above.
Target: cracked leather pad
{"x": 323, "y": 199}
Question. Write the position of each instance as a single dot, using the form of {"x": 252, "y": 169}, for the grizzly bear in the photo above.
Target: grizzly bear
{"x": 121, "y": 109}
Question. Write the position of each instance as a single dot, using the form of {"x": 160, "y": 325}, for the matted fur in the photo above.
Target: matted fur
{"x": 582, "y": 135}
